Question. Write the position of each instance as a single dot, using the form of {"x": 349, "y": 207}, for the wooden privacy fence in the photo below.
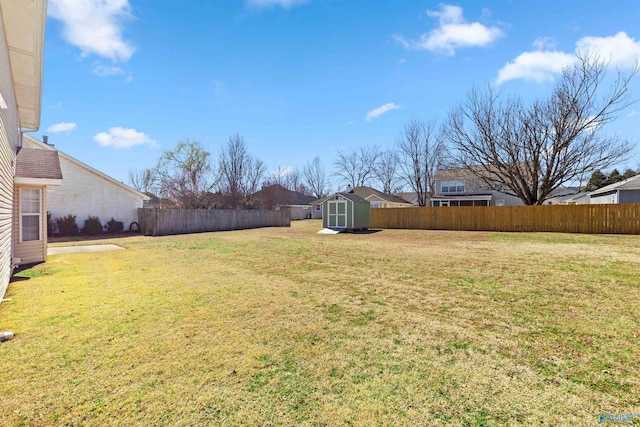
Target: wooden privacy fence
{"x": 592, "y": 219}
{"x": 161, "y": 222}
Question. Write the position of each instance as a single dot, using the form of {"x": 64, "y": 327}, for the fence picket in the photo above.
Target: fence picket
{"x": 161, "y": 222}
{"x": 589, "y": 219}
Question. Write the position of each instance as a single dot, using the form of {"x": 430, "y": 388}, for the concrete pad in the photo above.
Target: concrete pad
{"x": 86, "y": 248}
{"x": 328, "y": 231}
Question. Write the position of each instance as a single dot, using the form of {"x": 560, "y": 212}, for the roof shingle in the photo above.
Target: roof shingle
{"x": 40, "y": 164}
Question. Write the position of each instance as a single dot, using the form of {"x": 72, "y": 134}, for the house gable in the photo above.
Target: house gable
{"x": 29, "y": 141}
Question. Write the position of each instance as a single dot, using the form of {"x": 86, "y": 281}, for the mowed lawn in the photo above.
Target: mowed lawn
{"x": 282, "y": 326}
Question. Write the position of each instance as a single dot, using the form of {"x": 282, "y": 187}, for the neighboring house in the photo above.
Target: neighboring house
{"x": 316, "y": 207}
{"x": 569, "y": 199}
{"x": 568, "y": 196}
{"x": 25, "y": 174}
{"x": 459, "y": 187}
{"x": 275, "y": 197}
{"x": 86, "y": 192}
{"x": 627, "y": 191}
{"x": 346, "y": 211}
{"x": 378, "y": 199}
{"x": 411, "y": 197}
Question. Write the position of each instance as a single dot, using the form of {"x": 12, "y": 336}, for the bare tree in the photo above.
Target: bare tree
{"x": 278, "y": 176}
{"x": 185, "y": 175}
{"x": 530, "y": 150}
{"x": 386, "y": 171}
{"x": 422, "y": 152}
{"x": 316, "y": 178}
{"x": 357, "y": 167}
{"x": 287, "y": 177}
{"x": 240, "y": 172}
{"x": 294, "y": 181}
{"x": 144, "y": 181}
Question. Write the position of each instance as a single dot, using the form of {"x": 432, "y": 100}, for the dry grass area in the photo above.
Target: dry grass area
{"x": 287, "y": 327}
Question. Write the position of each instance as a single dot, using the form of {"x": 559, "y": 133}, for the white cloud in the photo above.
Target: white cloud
{"x": 453, "y": 33}
{"x": 538, "y": 66}
{"x": 543, "y": 65}
{"x": 541, "y": 43}
{"x": 62, "y": 127}
{"x": 619, "y": 50}
{"x": 94, "y": 26}
{"x": 123, "y": 138}
{"x": 267, "y": 4}
{"x": 376, "y": 112}
{"x": 102, "y": 70}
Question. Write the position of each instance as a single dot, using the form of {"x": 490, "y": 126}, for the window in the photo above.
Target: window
{"x": 454, "y": 186}
{"x": 317, "y": 207}
{"x": 376, "y": 204}
{"x": 30, "y": 214}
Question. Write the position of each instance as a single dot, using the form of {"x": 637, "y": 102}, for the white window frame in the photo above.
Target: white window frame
{"x": 376, "y": 204}
{"x": 318, "y": 207}
{"x": 456, "y": 184}
{"x": 38, "y": 214}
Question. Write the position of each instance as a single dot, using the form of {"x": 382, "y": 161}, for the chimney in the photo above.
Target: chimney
{"x": 348, "y": 190}
{"x": 45, "y": 139}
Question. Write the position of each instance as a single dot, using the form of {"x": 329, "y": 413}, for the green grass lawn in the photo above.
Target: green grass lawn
{"x": 281, "y": 326}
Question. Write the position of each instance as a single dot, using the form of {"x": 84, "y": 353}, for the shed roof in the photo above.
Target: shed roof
{"x": 353, "y": 197}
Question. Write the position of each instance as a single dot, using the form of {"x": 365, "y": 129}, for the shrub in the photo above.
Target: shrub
{"x": 92, "y": 226}
{"x": 67, "y": 225}
{"x": 114, "y": 226}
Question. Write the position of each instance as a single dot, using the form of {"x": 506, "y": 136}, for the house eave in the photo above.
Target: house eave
{"x": 463, "y": 196}
{"x": 24, "y": 24}
{"x": 39, "y": 182}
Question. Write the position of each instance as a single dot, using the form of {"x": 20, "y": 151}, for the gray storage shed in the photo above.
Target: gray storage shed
{"x": 346, "y": 211}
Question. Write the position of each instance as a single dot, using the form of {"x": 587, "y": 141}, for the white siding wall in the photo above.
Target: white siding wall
{"x": 607, "y": 198}
{"x": 316, "y": 213}
{"x": 9, "y": 138}
{"x": 299, "y": 212}
{"x": 84, "y": 193}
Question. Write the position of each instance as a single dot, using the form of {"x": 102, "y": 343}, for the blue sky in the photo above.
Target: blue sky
{"x": 126, "y": 79}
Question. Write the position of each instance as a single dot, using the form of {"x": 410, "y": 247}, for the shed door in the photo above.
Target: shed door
{"x": 337, "y": 214}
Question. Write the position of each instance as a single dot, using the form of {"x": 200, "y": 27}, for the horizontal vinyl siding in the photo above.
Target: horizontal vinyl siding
{"x": 36, "y": 251}
{"x": 9, "y": 137}
{"x": 629, "y": 196}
